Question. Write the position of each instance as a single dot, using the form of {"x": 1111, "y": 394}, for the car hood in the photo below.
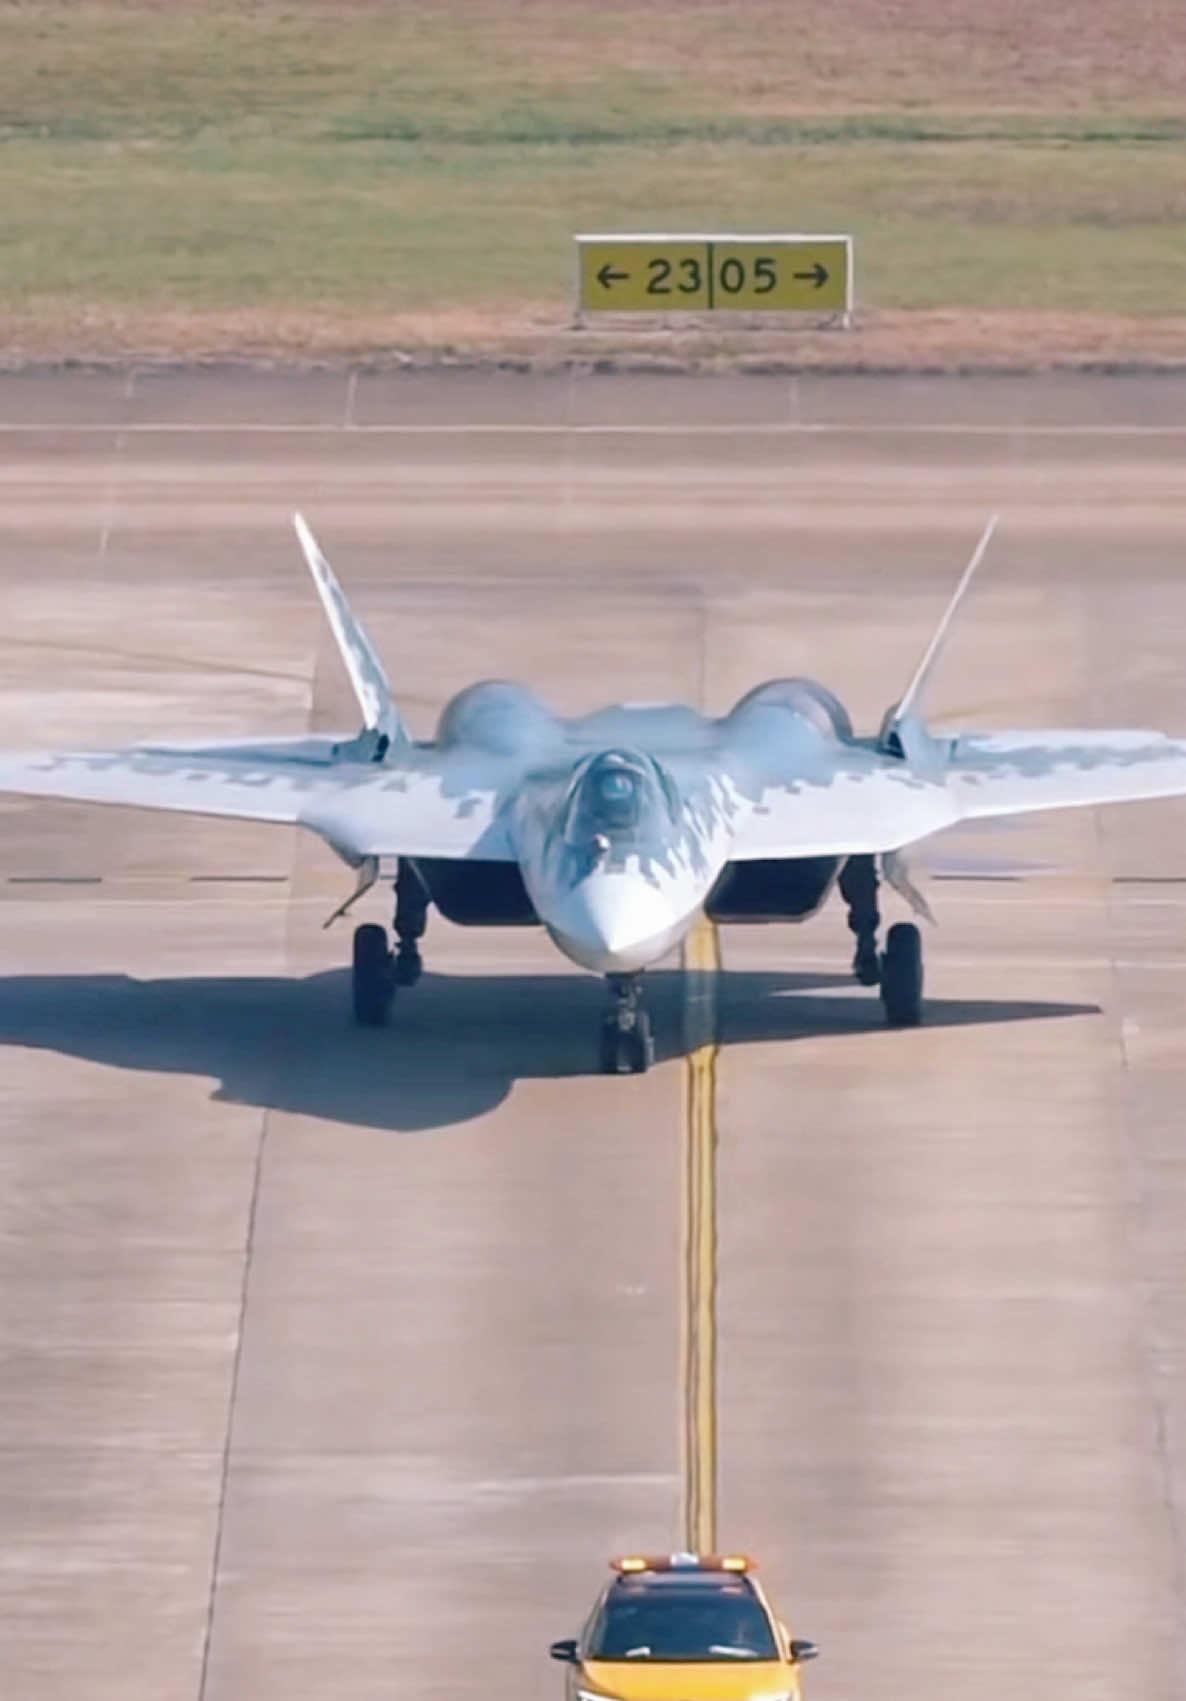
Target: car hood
{"x": 655, "y": 1681}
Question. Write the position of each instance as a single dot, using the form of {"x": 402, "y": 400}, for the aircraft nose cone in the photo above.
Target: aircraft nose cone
{"x": 615, "y": 924}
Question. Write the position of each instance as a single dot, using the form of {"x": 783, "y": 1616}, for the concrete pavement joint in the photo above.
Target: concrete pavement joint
{"x": 236, "y": 1365}
{"x": 1154, "y": 1347}
{"x": 510, "y": 428}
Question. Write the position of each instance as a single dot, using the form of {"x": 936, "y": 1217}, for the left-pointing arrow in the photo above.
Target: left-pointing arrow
{"x": 607, "y": 276}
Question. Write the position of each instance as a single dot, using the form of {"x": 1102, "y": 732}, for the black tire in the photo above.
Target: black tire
{"x": 627, "y": 1051}
{"x": 641, "y": 1044}
{"x": 901, "y": 976}
{"x": 373, "y": 984}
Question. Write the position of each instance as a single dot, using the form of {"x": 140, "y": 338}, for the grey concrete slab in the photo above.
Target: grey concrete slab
{"x": 221, "y": 397}
{"x": 418, "y": 1291}
{"x": 462, "y": 398}
{"x": 1002, "y": 400}
{"x": 680, "y": 400}
{"x": 69, "y": 398}
{"x": 106, "y": 1580}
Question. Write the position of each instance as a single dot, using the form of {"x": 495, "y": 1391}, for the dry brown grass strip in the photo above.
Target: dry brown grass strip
{"x": 947, "y": 341}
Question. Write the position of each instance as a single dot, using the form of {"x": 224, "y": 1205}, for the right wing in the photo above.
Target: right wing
{"x": 361, "y": 809}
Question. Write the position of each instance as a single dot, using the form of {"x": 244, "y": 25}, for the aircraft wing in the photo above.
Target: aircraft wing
{"x": 856, "y": 812}
{"x": 360, "y": 808}
{"x": 1013, "y": 773}
{"x": 862, "y": 809}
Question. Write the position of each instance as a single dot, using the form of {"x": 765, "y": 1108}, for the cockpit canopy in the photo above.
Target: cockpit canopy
{"x": 619, "y": 795}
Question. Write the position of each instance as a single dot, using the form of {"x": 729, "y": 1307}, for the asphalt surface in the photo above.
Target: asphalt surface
{"x": 335, "y": 1364}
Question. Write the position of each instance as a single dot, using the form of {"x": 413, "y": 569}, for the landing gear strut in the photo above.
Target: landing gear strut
{"x": 897, "y": 969}
{"x": 411, "y": 918}
{"x": 627, "y": 1045}
{"x": 377, "y": 970}
{"x": 858, "y": 888}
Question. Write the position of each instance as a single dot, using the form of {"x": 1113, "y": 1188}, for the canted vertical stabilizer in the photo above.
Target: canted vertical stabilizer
{"x": 367, "y": 675}
{"x": 903, "y": 726}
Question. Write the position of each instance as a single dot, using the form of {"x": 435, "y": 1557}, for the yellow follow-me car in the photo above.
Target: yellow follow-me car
{"x": 683, "y": 1628}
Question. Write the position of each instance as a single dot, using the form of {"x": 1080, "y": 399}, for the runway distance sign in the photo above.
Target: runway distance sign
{"x": 713, "y": 274}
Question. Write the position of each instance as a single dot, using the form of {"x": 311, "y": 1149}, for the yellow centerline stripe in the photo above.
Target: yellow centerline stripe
{"x": 701, "y": 962}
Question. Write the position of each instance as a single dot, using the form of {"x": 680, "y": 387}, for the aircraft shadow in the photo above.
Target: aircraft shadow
{"x": 456, "y": 1045}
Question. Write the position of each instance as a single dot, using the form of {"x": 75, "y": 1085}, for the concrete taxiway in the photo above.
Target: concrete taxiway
{"x": 336, "y": 1363}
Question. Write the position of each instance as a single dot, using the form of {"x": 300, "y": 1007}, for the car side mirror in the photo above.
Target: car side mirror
{"x": 801, "y": 1651}
{"x": 565, "y": 1650}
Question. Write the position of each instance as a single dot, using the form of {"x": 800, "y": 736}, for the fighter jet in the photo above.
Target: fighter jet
{"x": 615, "y": 831}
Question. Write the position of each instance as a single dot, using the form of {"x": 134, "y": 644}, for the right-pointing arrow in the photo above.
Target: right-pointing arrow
{"x": 818, "y": 275}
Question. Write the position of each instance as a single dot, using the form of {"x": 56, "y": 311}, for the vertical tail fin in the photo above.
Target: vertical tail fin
{"x": 367, "y": 676}
{"x": 905, "y": 717}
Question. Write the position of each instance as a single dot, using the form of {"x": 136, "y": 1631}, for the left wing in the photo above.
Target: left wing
{"x": 873, "y": 804}
{"x": 360, "y": 808}
{"x": 867, "y": 805}
{"x": 1014, "y": 773}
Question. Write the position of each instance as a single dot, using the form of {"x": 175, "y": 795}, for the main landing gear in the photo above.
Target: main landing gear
{"x": 858, "y": 888}
{"x": 377, "y": 970}
{"x": 897, "y": 969}
{"x": 373, "y": 983}
{"x": 627, "y": 1044}
{"x": 411, "y": 918}
{"x": 901, "y": 976}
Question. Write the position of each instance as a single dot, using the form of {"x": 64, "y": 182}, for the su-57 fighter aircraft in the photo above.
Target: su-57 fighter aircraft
{"x": 616, "y": 830}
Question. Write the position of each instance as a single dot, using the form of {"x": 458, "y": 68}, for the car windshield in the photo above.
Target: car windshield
{"x": 653, "y": 1620}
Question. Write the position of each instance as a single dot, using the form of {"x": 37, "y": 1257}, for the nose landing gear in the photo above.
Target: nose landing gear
{"x": 627, "y": 1044}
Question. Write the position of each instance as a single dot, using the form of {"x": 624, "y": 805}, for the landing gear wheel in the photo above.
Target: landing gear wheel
{"x": 373, "y": 983}
{"x": 627, "y": 1051}
{"x": 640, "y": 1044}
{"x": 627, "y": 1044}
{"x": 901, "y": 976}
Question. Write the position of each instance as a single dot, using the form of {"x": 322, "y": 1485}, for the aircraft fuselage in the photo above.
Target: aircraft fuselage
{"x": 621, "y": 820}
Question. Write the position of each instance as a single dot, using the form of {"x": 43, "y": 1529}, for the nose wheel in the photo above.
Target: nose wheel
{"x": 627, "y": 1044}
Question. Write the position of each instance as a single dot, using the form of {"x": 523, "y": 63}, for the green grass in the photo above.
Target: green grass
{"x": 359, "y": 157}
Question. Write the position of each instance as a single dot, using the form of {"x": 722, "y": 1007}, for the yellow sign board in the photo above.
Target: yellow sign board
{"x": 711, "y": 274}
